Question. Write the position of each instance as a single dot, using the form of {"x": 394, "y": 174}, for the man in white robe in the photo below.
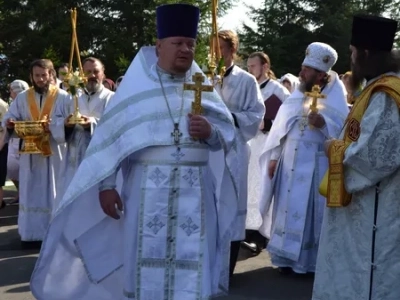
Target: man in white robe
{"x": 293, "y": 163}
{"x": 172, "y": 239}
{"x": 259, "y": 65}
{"x": 359, "y": 248}
{"x": 240, "y": 92}
{"x": 37, "y": 173}
{"x": 77, "y": 137}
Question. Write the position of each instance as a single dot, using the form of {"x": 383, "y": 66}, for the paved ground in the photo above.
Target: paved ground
{"x": 255, "y": 279}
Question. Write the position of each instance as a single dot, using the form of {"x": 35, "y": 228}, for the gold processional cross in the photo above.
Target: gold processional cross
{"x": 198, "y": 88}
{"x": 315, "y": 94}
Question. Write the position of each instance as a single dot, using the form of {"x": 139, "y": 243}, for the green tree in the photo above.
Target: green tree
{"x": 286, "y": 27}
{"x": 111, "y": 30}
{"x": 282, "y": 32}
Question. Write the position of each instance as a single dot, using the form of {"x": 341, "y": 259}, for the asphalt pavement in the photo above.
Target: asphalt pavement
{"x": 254, "y": 279}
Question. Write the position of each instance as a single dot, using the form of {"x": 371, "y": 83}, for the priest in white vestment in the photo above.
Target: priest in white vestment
{"x": 91, "y": 102}
{"x": 359, "y": 251}
{"x": 293, "y": 163}
{"x": 259, "y": 65}
{"x": 240, "y": 92}
{"x": 37, "y": 173}
{"x": 170, "y": 237}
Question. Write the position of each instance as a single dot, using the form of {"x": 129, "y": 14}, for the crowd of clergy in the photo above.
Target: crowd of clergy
{"x": 147, "y": 199}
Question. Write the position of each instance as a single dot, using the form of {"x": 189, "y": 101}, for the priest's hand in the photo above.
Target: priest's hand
{"x": 109, "y": 202}
{"x": 87, "y": 122}
{"x": 199, "y": 127}
{"x": 46, "y": 126}
{"x": 327, "y": 144}
{"x": 66, "y": 122}
{"x": 272, "y": 168}
{"x": 316, "y": 120}
{"x": 10, "y": 124}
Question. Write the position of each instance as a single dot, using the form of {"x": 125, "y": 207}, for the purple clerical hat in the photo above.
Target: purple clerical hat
{"x": 177, "y": 20}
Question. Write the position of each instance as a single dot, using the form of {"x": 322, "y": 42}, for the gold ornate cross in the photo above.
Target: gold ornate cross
{"x": 198, "y": 88}
{"x": 315, "y": 94}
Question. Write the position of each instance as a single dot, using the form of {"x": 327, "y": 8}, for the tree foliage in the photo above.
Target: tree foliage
{"x": 111, "y": 30}
{"x": 286, "y": 27}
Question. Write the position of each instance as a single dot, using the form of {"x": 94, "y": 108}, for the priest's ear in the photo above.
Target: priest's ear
{"x": 158, "y": 46}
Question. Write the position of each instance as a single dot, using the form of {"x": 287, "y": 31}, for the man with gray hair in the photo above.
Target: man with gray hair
{"x": 92, "y": 102}
{"x": 293, "y": 162}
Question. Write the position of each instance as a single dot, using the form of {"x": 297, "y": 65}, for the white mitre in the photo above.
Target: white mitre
{"x": 320, "y": 56}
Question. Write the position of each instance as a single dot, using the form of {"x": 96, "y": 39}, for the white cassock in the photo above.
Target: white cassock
{"x": 241, "y": 94}
{"x": 173, "y": 238}
{"x": 37, "y": 174}
{"x": 273, "y": 93}
{"x": 298, "y": 207}
{"x": 76, "y": 139}
{"x": 345, "y": 262}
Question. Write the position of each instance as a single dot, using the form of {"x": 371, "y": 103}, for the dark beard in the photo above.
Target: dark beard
{"x": 41, "y": 90}
{"x": 357, "y": 75}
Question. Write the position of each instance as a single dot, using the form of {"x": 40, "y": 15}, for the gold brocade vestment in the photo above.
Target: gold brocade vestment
{"x": 332, "y": 185}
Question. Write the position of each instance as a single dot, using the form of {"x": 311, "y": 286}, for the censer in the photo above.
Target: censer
{"x": 33, "y": 133}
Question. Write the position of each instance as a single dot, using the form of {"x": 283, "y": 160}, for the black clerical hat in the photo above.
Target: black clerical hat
{"x": 373, "y": 33}
{"x": 177, "y": 20}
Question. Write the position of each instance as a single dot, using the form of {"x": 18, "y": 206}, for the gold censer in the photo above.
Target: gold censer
{"x": 32, "y": 132}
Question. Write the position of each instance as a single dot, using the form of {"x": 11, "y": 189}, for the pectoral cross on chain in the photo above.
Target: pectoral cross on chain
{"x": 198, "y": 88}
{"x": 176, "y": 134}
{"x": 315, "y": 94}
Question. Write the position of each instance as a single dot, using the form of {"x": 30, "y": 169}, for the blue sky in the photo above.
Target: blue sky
{"x": 235, "y": 16}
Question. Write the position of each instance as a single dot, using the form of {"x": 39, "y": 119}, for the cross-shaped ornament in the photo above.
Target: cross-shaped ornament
{"x": 178, "y": 154}
{"x": 198, "y": 88}
{"x": 176, "y": 134}
{"x": 315, "y": 94}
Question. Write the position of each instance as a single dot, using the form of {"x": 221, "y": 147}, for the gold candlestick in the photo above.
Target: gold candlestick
{"x": 75, "y": 80}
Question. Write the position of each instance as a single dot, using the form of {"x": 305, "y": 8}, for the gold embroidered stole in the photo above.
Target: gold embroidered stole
{"x": 333, "y": 182}
{"x": 43, "y": 143}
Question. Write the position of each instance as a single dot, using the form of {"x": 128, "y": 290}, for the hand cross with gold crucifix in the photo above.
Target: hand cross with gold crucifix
{"x": 198, "y": 88}
{"x": 315, "y": 94}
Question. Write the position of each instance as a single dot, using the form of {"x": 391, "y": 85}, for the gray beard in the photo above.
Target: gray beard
{"x": 306, "y": 86}
{"x": 93, "y": 87}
